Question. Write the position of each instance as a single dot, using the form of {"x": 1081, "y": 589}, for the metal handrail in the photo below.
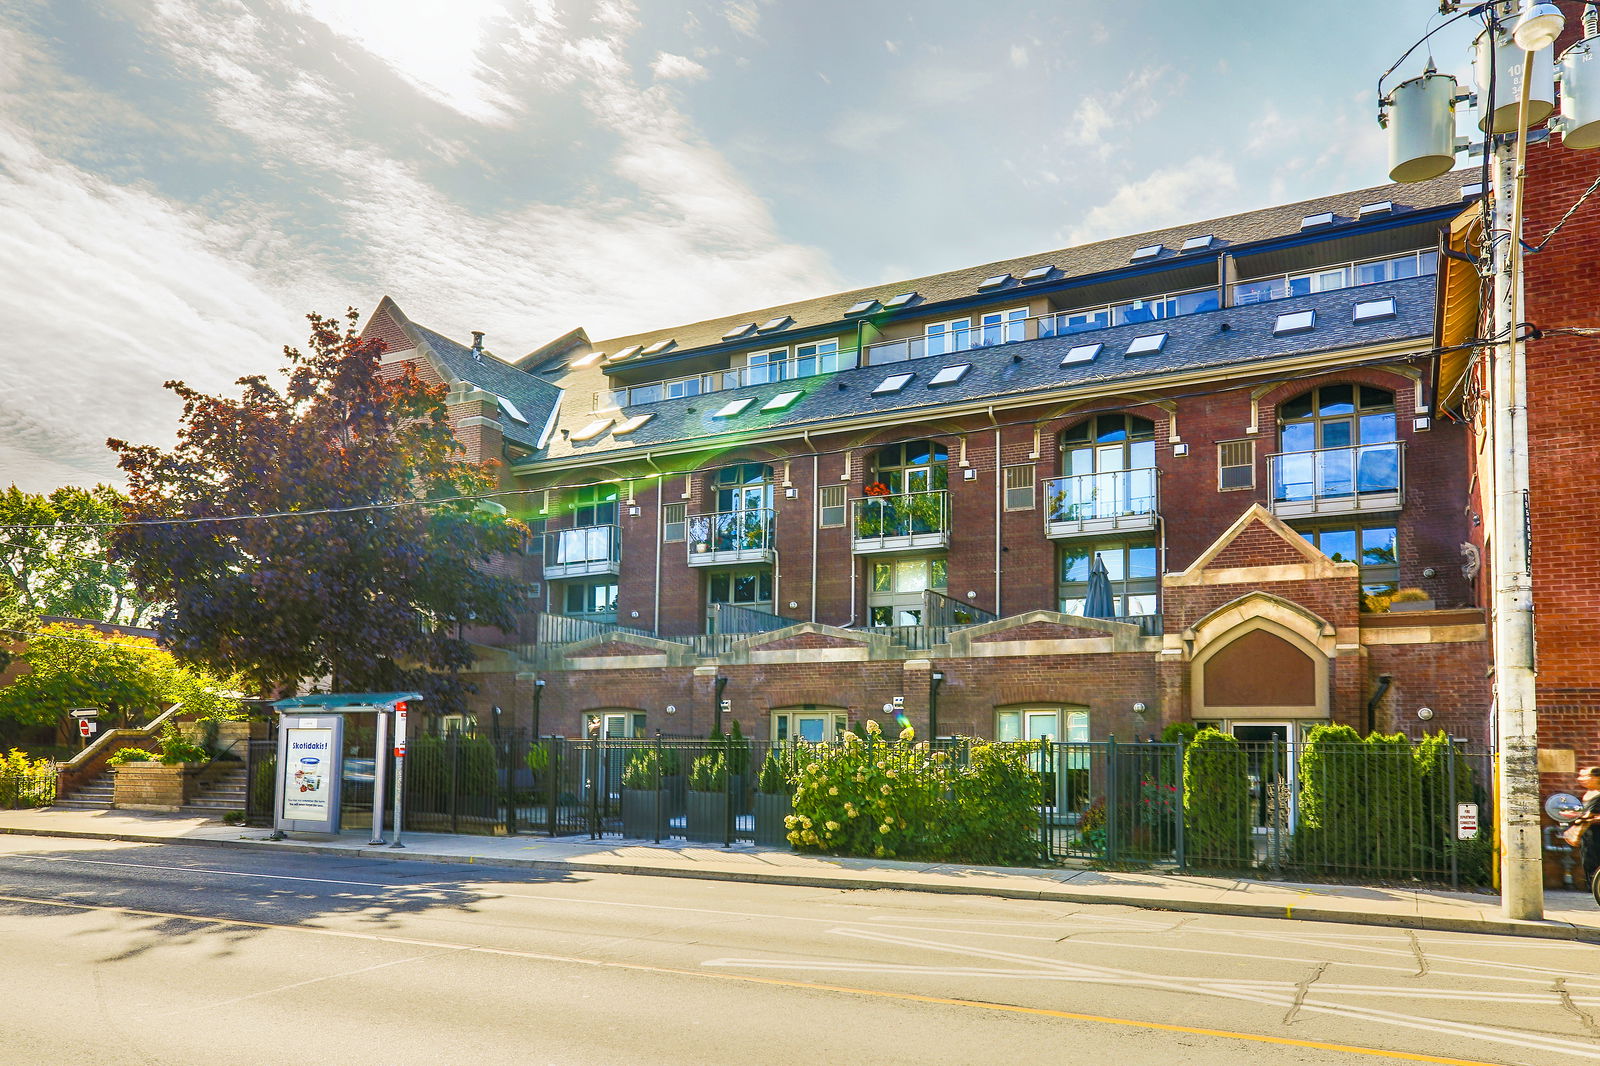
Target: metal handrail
{"x": 746, "y": 529}
{"x": 1337, "y": 473}
{"x": 1104, "y": 494}
{"x": 901, "y": 514}
{"x": 582, "y": 545}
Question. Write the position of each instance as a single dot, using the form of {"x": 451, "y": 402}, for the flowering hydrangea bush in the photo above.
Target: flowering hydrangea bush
{"x": 899, "y": 799}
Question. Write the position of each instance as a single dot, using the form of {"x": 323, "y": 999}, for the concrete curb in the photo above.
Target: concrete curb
{"x": 1545, "y": 930}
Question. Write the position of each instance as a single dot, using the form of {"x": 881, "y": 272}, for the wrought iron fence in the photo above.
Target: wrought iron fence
{"x": 29, "y": 786}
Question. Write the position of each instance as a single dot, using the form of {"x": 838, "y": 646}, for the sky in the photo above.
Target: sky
{"x": 181, "y": 181}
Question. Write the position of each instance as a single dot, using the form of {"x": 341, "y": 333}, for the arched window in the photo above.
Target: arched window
{"x": 912, "y": 466}
{"x": 744, "y": 487}
{"x": 1337, "y": 440}
{"x": 595, "y": 505}
{"x": 1108, "y": 464}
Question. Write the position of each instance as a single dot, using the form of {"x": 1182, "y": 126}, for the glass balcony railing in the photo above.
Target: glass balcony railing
{"x": 1340, "y": 276}
{"x": 1362, "y": 477}
{"x": 1095, "y": 502}
{"x": 731, "y": 536}
{"x": 581, "y": 551}
{"x": 901, "y": 520}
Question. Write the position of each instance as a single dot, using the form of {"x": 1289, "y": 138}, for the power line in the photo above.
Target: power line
{"x": 389, "y": 505}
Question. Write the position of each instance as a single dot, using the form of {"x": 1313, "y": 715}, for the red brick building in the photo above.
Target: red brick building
{"x": 894, "y": 500}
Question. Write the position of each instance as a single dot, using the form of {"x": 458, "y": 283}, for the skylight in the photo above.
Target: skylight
{"x": 1148, "y": 344}
{"x": 892, "y": 383}
{"x": 1082, "y": 353}
{"x": 994, "y": 281}
{"x": 631, "y": 424}
{"x": 588, "y": 360}
{"x": 738, "y": 331}
{"x": 511, "y": 409}
{"x": 1294, "y": 322}
{"x": 1196, "y": 244}
{"x": 1149, "y": 251}
{"x": 783, "y": 401}
{"x": 592, "y": 430}
{"x": 863, "y": 307}
{"x": 733, "y": 407}
{"x": 901, "y": 300}
{"x": 1372, "y": 310}
{"x": 1469, "y": 191}
{"x": 1377, "y": 207}
{"x": 627, "y": 353}
{"x": 1039, "y": 273}
{"x": 659, "y": 346}
{"x": 774, "y": 324}
{"x": 1322, "y": 218}
{"x": 949, "y": 375}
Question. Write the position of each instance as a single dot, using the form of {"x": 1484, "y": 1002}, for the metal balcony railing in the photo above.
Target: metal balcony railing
{"x": 1332, "y": 481}
{"x": 901, "y": 521}
{"x": 743, "y": 536}
{"x": 1093, "y": 503}
{"x": 581, "y": 551}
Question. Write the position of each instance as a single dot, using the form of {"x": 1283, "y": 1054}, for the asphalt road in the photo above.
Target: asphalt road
{"x": 163, "y": 954}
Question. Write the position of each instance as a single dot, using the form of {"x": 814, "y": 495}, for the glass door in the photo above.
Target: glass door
{"x": 1270, "y": 750}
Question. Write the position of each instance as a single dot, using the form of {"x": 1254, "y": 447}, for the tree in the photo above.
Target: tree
{"x": 54, "y": 560}
{"x": 129, "y": 678}
{"x": 364, "y": 558}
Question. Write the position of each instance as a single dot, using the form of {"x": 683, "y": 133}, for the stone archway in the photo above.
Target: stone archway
{"x": 1260, "y": 657}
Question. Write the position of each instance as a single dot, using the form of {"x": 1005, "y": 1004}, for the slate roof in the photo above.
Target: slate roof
{"x": 1194, "y": 342}
{"x": 1228, "y": 233}
{"x": 533, "y": 397}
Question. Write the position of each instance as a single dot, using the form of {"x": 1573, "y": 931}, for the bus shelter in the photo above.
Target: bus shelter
{"x": 334, "y": 757}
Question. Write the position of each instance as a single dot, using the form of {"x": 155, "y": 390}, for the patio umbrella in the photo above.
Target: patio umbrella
{"x": 1097, "y": 603}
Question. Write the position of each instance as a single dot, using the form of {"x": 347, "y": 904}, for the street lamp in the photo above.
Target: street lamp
{"x": 1412, "y": 156}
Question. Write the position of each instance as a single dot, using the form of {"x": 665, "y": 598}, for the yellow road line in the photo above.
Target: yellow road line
{"x": 909, "y": 997}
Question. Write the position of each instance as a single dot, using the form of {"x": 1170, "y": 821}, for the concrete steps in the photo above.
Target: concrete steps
{"x": 221, "y": 794}
{"x": 95, "y": 795}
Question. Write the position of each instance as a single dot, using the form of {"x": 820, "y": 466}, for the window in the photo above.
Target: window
{"x": 772, "y": 325}
{"x": 744, "y": 487}
{"x": 895, "y": 588}
{"x": 782, "y": 402}
{"x": 813, "y": 725}
{"x": 830, "y": 506}
{"x": 949, "y": 375}
{"x": 660, "y": 346}
{"x": 1019, "y": 487}
{"x": 1337, "y": 439}
{"x": 1108, "y": 469}
{"x": 591, "y": 599}
{"x": 892, "y": 383}
{"x": 1039, "y": 273}
{"x": 914, "y": 466}
{"x": 994, "y": 282}
{"x": 1149, "y": 251}
{"x": 763, "y": 367}
{"x": 901, "y": 300}
{"x": 750, "y": 588}
{"x": 592, "y": 430}
{"x": 1236, "y": 465}
{"x": 862, "y": 307}
{"x": 1323, "y": 218}
{"x": 1040, "y": 723}
{"x": 1377, "y": 207}
{"x": 1373, "y": 310}
{"x": 594, "y": 505}
{"x": 821, "y": 357}
{"x": 732, "y": 407}
{"x": 1375, "y": 548}
{"x": 738, "y": 331}
{"x": 630, "y": 425}
{"x": 1294, "y": 322}
{"x": 1002, "y": 327}
{"x": 1131, "y": 565}
{"x": 943, "y": 338}
{"x": 674, "y": 522}
{"x": 1082, "y": 353}
{"x": 1197, "y": 244}
{"x": 1149, "y": 344}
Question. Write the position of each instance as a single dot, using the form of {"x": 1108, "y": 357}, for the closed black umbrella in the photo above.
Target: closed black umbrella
{"x": 1098, "y": 602}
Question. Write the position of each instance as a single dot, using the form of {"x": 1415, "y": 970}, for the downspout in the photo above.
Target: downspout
{"x": 1372, "y": 705}
{"x": 661, "y": 529}
{"x": 998, "y": 489}
{"x": 816, "y": 489}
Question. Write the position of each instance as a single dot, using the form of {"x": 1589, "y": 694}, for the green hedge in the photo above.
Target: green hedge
{"x": 1216, "y": 801}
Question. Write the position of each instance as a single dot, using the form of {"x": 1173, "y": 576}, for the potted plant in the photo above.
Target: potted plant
{"x": 774, "y": 803}
{"x": 643, "y": 798}
{"x": 708, "y": 799}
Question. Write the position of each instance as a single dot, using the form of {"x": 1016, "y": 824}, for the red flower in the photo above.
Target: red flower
{"x": 877, "y": 488}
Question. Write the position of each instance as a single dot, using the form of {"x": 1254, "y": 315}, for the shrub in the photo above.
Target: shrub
{"x": 1179, "y": 733}
{"x": 25, "y": 781}
{"x": 1438, "y": 819}
{"x": 127, "y": 755}
{"x": 1216, "y": 800}
{"x": 995, "y": 805}
{"x": 772, "y": 781}
{"x": 738, "y": 751}
{"x": 177, "y": 748}
{"x": 709, "y": 773}
{"x": 1393, "y": 804}
{"x": 1333, "y": 830}
{"x": 643, "y": 771}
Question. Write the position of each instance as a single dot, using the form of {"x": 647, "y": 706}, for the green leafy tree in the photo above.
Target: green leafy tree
{"x": 129, "y": 678}
{"x": 53, "y": 560}
{"x": 370, "y": 597}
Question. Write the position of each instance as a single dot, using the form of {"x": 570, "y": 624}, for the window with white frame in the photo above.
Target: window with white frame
{"x": 674, "y": 522}
{"x": 1236, "y": 465}
{"x": 1019, "y": 487}
{"x": 830, "y": 506}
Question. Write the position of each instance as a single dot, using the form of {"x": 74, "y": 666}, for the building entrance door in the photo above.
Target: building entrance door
{"x": 1270, "y": 754}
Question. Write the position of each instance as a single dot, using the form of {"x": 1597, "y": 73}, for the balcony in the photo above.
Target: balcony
{"x": 1359, "y": 479}
{"x": 581, "y": 552}
{"x": 906, "y": 521}
{"x": 731, "y": 537}
{"x": 1082, "y": 505}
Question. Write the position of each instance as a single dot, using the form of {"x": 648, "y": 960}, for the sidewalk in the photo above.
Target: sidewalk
{"x": 1568, "y": 915}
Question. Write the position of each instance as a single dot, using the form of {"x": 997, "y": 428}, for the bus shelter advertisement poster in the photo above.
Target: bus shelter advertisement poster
{"x": 308, "y": 790}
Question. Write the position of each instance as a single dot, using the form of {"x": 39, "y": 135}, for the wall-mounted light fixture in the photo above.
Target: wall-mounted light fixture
{"x": 1138, "y": 708}
{"x": 791, "y": 493}
{"x": 1425, "y": 713}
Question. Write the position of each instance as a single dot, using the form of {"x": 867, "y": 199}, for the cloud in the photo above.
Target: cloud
{"x": 1137, "y": 100}
{"x": 668, "y": 66}
{"x": 745, "y": 16}
{"x": 1019, "y": 56}
{"x": 892, "y": 47}
{"x": 1202, "y": 187}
